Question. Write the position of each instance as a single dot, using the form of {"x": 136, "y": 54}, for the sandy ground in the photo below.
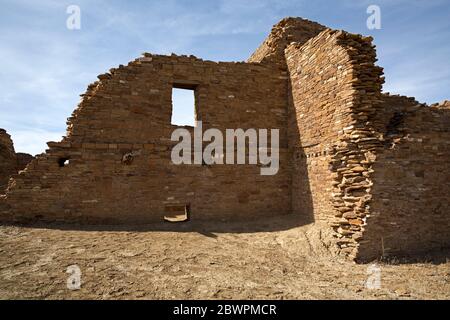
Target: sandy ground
{"x": 198, "y": 261}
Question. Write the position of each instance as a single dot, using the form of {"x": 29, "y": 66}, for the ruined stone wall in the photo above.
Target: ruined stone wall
{"x": 316, "y": 115}
{"x": 10, "y": 161}
{"x": 128, "y": 111}
{"x": 7, "y": 159}
{"x": 335, "y": 86}
{"x": 384, "y": 160}
{"x": 410, "y": 207}
{"x": 286, "y": 31}
{"x": 371, "y": 169}
{"x": 23, "y": 159}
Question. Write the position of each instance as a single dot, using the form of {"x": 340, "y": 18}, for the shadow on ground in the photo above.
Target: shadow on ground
{"x": 205, "y": 227}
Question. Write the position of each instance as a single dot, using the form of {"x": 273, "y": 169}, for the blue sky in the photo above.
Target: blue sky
{"x": 44, "y": 66}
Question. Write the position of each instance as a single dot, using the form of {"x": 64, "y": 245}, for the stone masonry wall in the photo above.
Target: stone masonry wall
{"x": 282, "y": 34}
{"x": 335, "y": 85}
{"x": 410, "y": 207}
{"x": 370, "y": 169}
{"x": 7, "y": 159}
{"x": 128, "y": 111}
{"x": 10, "y": 161}
{"x": 374, "y": 167}
{"x": 23, "y": 159}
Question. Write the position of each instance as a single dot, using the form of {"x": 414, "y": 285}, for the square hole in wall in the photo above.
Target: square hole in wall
{"x": 183, "y": 106}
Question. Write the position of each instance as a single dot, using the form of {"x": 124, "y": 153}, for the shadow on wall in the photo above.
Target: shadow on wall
{"x": 301, "y": 196}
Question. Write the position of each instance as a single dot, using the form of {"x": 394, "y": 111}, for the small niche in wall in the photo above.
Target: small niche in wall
{"x": 177, "y": 213}
{"x": 183, "y": 105}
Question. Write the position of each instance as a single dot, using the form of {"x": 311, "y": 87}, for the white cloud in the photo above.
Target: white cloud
{"x": 44, "y": 66}
{"x": 33, "y": 140}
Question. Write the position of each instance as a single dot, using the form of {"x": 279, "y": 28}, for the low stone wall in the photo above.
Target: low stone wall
{"x": 410, "y": 207}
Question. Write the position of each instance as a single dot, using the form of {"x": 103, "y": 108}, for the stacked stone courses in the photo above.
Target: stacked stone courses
{"x": 369, "y": 169}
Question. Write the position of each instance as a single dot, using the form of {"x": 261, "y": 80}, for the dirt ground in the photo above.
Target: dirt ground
{"x": 198, "y": 261}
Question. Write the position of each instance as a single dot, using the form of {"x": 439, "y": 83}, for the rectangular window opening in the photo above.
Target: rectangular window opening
{"x": 183, "y": 106}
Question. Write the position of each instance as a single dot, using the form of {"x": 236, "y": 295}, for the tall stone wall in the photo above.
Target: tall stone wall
{"x": 316, "y": 114}
{"x": 373, "y": 167}
{"x": 128, "y": 111}
{"x": 335, "y": 86}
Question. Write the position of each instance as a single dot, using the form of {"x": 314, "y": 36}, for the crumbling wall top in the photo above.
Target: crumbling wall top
{"x": 283, "y": 33}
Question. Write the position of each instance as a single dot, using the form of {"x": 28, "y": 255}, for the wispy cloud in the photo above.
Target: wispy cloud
{"x": 44, "y": 66}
